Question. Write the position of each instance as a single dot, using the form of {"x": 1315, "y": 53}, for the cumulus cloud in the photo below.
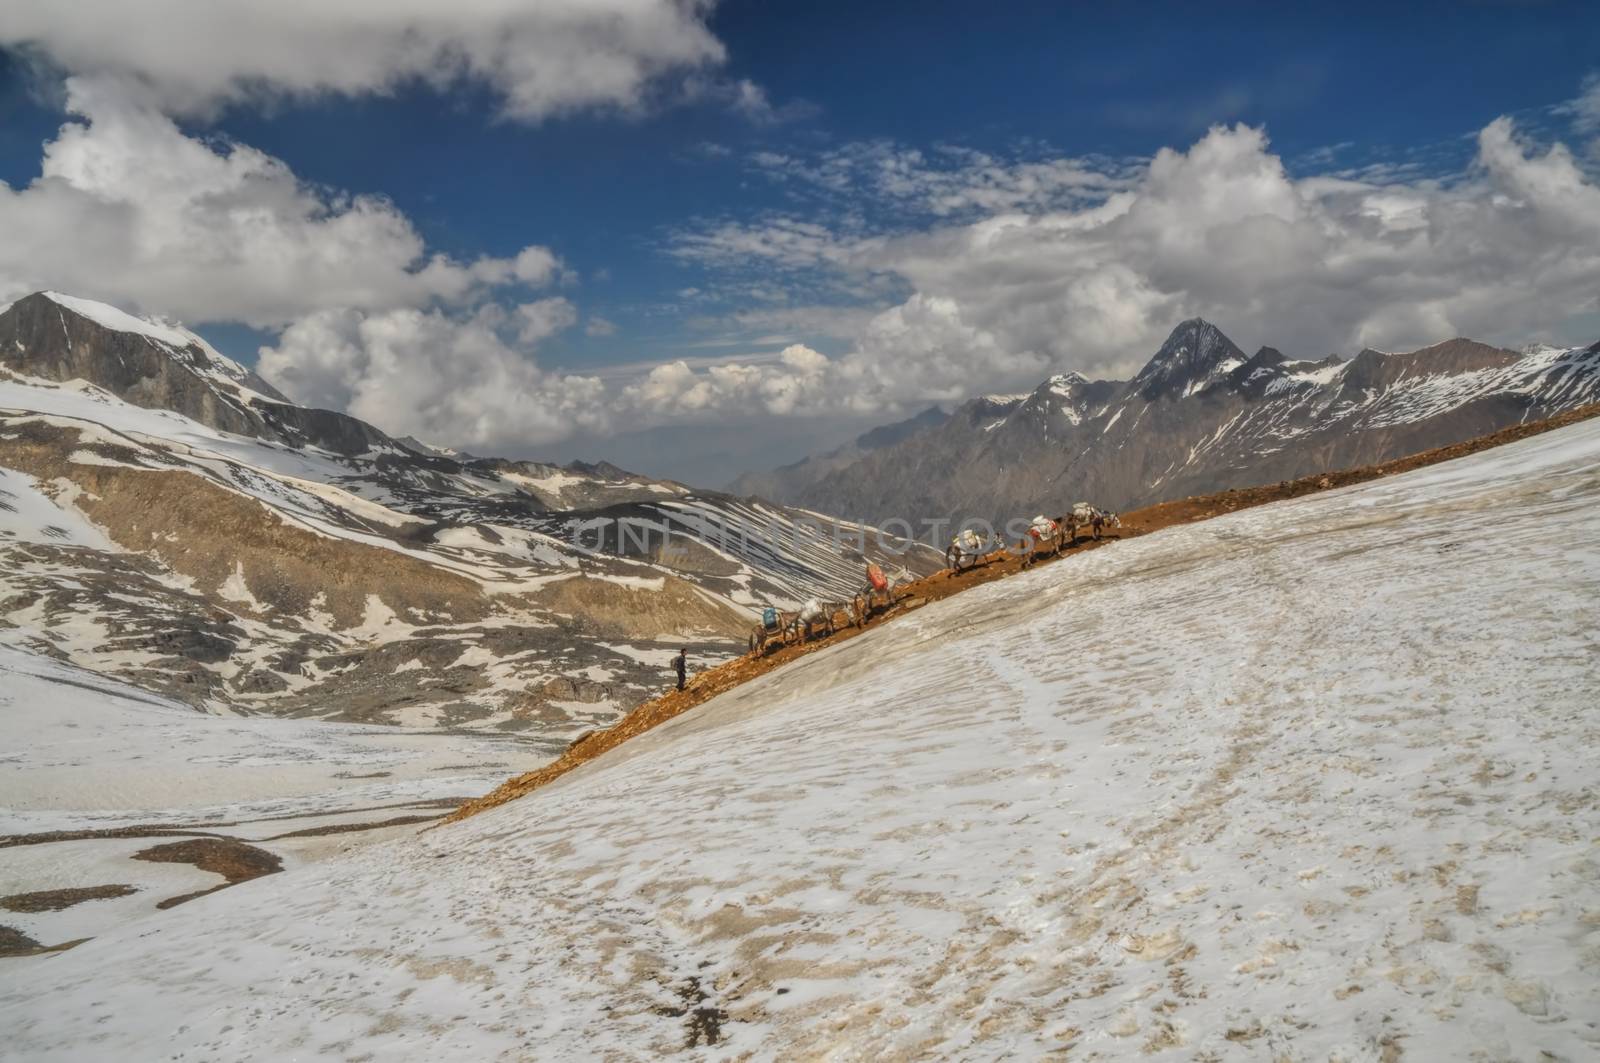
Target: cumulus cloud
{"x": 130, "y": 209}
{"x": 941, "y": 273}
{"x": 433, "y": 376}
{"x": 798, "y": 382}
{"x": 543, "y": 318}
{"x": 542, "y": 58}
{"x": 1507, "y": 251}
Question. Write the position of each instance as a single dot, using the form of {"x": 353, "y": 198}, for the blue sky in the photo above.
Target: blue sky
{"x": 896, "y": 195}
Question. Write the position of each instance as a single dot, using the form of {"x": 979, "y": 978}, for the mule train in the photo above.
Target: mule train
{"x": 876, "y": 595}
{"x": 786, "y": 627}
{"x": 1048, "y": 537}
{"x": 967, "y": 549}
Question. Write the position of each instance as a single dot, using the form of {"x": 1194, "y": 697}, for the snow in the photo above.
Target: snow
{"x": 30, "y": 515}
{"x": 296, "y": 484}
{"x": 236, "y": 589}
{"x": 1314, "y": 780}
{"x": 1321, "y": 376}
{"x": 317, "y": 491}
{"x": 82, "y": 750}
{"x": 553, "y": 484}
{"x": 88, "y": 754}
{"x": 78, "y": 401}
{"x": 638, "y": 583}
{"x": 657, "y": 657}
{"x": 110, "y": 317}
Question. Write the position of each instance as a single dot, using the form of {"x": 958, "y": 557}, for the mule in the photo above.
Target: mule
{"x": 966, "y": 549}
{"x": 1043, "y": 535}
{"x": 1093, "y": 518}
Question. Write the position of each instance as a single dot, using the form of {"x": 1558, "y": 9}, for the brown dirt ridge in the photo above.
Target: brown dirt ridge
{"x": 714, "y": 681}
{"x": 232, "y": 859}
{"x": 58, "y": 900}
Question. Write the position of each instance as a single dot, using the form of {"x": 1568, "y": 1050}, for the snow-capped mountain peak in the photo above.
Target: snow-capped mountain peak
{"x": 1063, "y": 399}
{"x": 180, "y": 342}
{"x": 1196, "y": 354}
{"x": 1202, "y": 417}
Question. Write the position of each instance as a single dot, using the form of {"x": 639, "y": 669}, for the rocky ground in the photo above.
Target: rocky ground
{"x": 270, "y": 574}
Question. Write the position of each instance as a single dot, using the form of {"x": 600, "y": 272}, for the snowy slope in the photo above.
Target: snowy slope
{"x": 1316, "y": 780}
{"x": 102, "y": 760}
{"x": 164, "y": 522}
{"x": 87, "y": 752}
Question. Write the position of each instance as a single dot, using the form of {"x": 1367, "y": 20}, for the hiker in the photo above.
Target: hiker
{"x": 681, "y": 663}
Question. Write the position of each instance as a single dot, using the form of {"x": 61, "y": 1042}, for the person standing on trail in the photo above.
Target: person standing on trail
{"x": 681, "y": 664}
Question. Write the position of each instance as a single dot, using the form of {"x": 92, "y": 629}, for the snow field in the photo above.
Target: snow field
{"x": 1315, "y": 780}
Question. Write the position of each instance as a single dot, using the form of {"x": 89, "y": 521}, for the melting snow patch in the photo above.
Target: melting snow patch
{"x": 30, "y": 515}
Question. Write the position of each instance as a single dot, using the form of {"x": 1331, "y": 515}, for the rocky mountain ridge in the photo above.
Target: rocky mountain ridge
{"x": 167, "y": 519}
{"x": 1200, "y": 416}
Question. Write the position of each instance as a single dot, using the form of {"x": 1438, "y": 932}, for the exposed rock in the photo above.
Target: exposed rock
{"x": 306, "y": 564}
{"x": 1199, "y": 417}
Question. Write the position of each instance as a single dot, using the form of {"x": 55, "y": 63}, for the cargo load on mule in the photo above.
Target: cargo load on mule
{"x": 966, "y": 549}
{"x": 1095, "y": 519}
{"x": 771, "y": 629}
{"x": 1044, "y": 537}
{"x": 876, "y": 595}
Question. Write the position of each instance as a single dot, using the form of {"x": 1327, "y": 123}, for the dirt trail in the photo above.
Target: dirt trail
{"x": 714, "y": 681}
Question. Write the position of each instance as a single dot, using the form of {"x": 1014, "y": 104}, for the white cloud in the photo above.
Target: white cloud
{"x": 1585, "y": 108}
{"x": 426, "y": 374}
{"x": 543, "y": 58}
{"x": 798, "y": 382}
{"x": 948, "y": 181}
{"x": 129, "y": 209}
{"x": 536, "y": 266}
{"x": 750, "y": 100}
{"x": 599, "y": 326}
{"x": 977, "y": 273}
{"x": 539, "y": 320}
{"x": 781, "y": 242}
{"x": 1509, "y": 251}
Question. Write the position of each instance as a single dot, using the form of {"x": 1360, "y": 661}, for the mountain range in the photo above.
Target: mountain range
{"x": 1201, "y": 416}
{"x": 169, "y": 519}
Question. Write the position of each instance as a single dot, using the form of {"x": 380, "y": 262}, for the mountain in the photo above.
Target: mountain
{"x": 789, "y": 480}
{"x": 157, "y": 366}
{"x": 1200, "y": 416}
{"x": 1311, "y": 781}
{"x": 1195, "y": 356}
{"x": 169, "y": 519}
